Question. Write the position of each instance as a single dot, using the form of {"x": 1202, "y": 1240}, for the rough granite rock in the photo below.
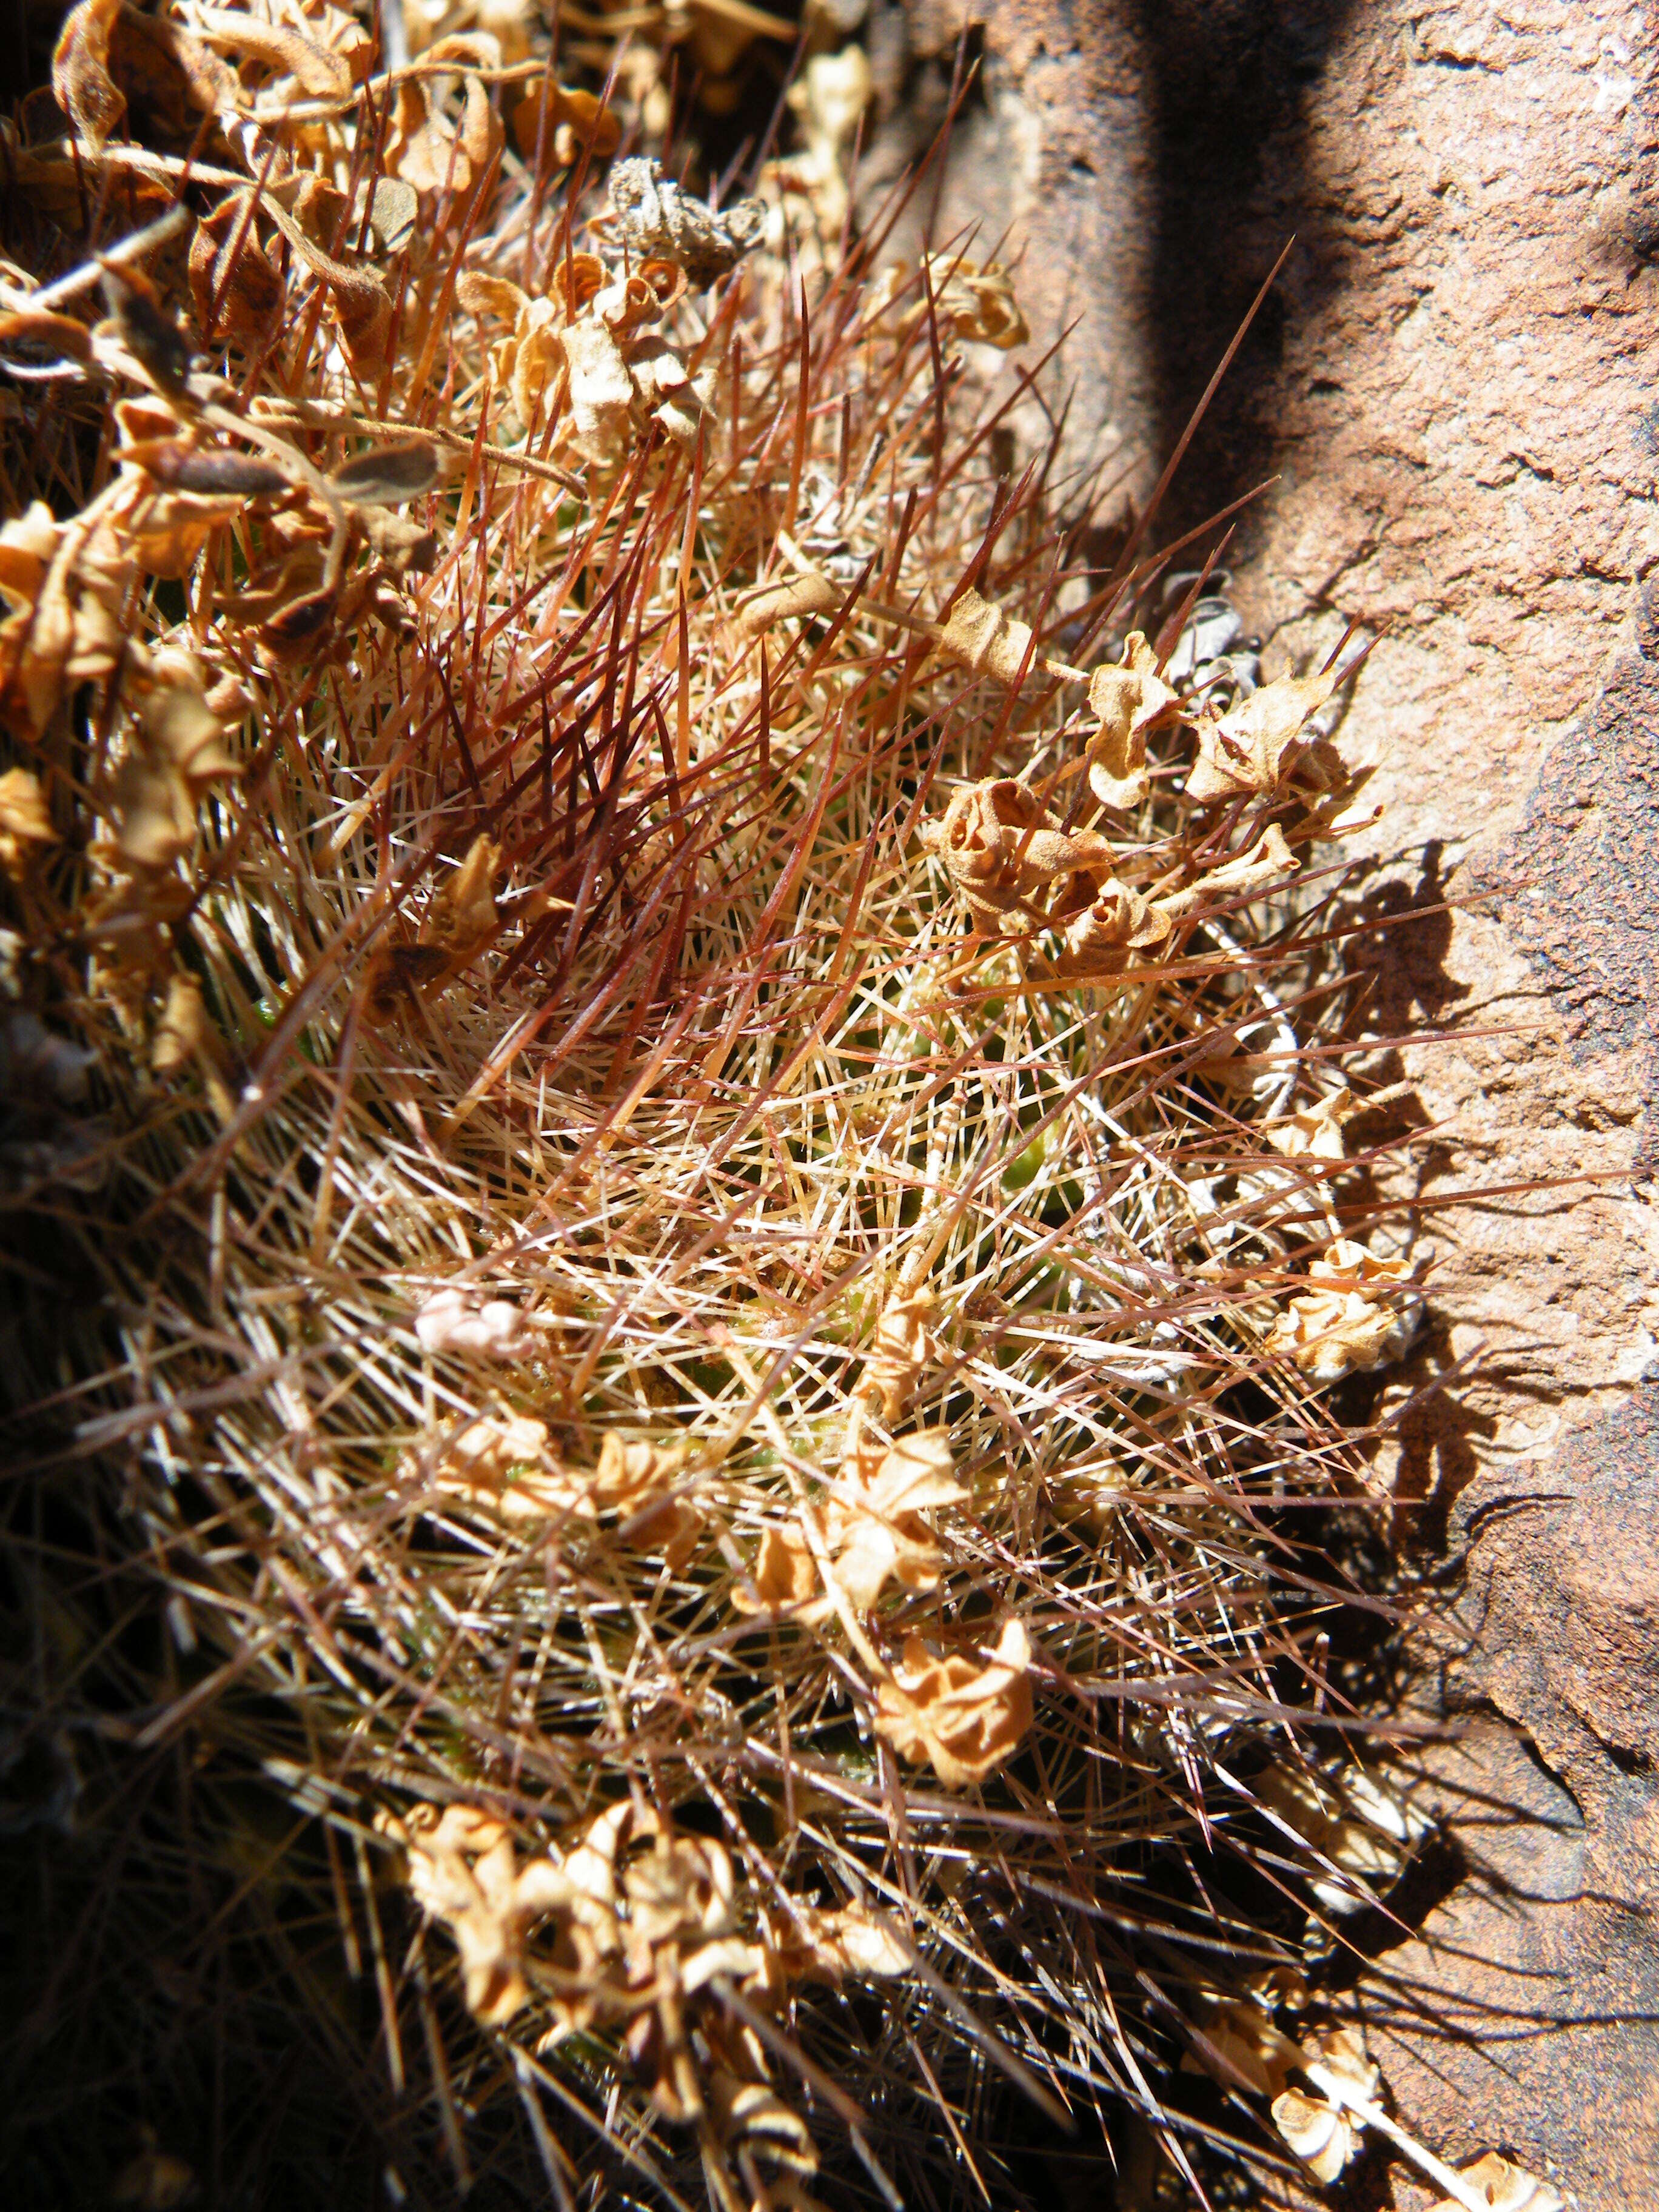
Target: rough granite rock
{"x": 1452, "y": 388}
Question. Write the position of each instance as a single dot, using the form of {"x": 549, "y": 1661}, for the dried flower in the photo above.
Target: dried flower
{"x": 574, "y": 120}
{"x": 1268, "y": 861}
{"x": 977, "y": 303}
{"x": 850, "y": 1944}
{"x": 1322, "y": 2137}
{"x": 985, "y": 638}
{"x": 1324, "y": 2130}
{"x": 426, "y": 149}
{"x": 784, "y": 1573}
{"x": 457, "y": 1320}
{"x": 235, "y": 285}
{"x": 1504, "y": 2187}
{"x": 386, "y": 476}
{"x": 1004, "y": 851}
{"x": 965, "y": 1719}
{"x": 80, "y": 71}
{"x": 25, "y": 820}
{"x": 1118, "y": 921}
{"x": 463, "y": 1871}
{"x": 1243, "y": 2040}
{"x": 148, "y": 332}
{"x": 1346, "y": 1324}
{"x": 637, "y": 1478}
{"x": 787, "y": 599}
{"x": 154, "y": 792}
{"x": 1130, "y": 700}
{"x": 1315, "y": 1132}
{"x": 462, "y": 917}
{"x": 184, "y": 1034}
{"x": 461, "y": 920}
{"x": 322, "y": 47}
{"x": 1350, "y": 1821}
{"x": 1252, "y": 748}
{"x": 829, "y": 100}
{"x": 904, "y": 1346}
{"x": 874, "y": 1522}
{"x": 482, "y": 1461}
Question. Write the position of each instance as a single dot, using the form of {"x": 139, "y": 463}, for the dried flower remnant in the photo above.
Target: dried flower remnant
{"x": 154, "y": 792}
{"x": 874, "y": 1521}
{"x": 641, "y": 1481}
{"x": 636, "y": 1925}
{"x": 304, "y": 45}
{"x": 1322, "y": 2136}
{"x": 80, "y": 71}
{"x": 829, "y": 100}
{"x": 987, "y": 639}
{"x": 975, "y": 302}
{"x": 387, "y": 476}
{"x": 42, "y": 339}
{"x": 1266, "y": 862}
{"x": 148, "y": 331}
{"x": 1004, "y": 852}
{"x": 1501, "y": 2187}
{"x": 1117, "y": 923}
{"x": 791, "y": 597}
{"x": 236, "y": 288}
{"x": 1253, "y": 748}
{"x": 26, "y": 826}
{"x": 59, "y": 627}
{"x": 1323, "y": 2131}
{"x": 527, "y": 361}
{"x": 187, "y": 1041}
{"x": 965, "y": 1719}
{"x": 424, "y": 146}
{"x": 498, "y": 1461}
{"x": 1130, "y": 700}
{"x": 1361, "y": 1314}
{"x": 1315, "y": 1131}
{"x": 504, "y": 1464}
{"x": 461, "y": 920}
{"x": 463, "y": 1871}
{"x": 589, "y": 348}
{"x": 784, "y": 1574}
{"x": 575, "y": 121}
{"x": 1349, "y": 1819}
{"x": 849, "y": 1944}
{"x": 904, "y": 1345}
{"x": 456, "y": 1320}
{"x": 1241, "y": 2039}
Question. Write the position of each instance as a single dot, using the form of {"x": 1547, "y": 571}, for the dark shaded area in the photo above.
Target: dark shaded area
{"x": 1227, "y": 79}
{"x": 28, "y": 32}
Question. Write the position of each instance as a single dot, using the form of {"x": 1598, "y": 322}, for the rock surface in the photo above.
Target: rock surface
{"x": 1451, "y": 388}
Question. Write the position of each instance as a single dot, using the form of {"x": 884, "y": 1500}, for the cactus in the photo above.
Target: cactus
{"x": 673, "y": 1093}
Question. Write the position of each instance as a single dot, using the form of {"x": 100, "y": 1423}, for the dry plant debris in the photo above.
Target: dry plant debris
{"x": 1501, "y": 2187}
{"x": 642, "y": 1088}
